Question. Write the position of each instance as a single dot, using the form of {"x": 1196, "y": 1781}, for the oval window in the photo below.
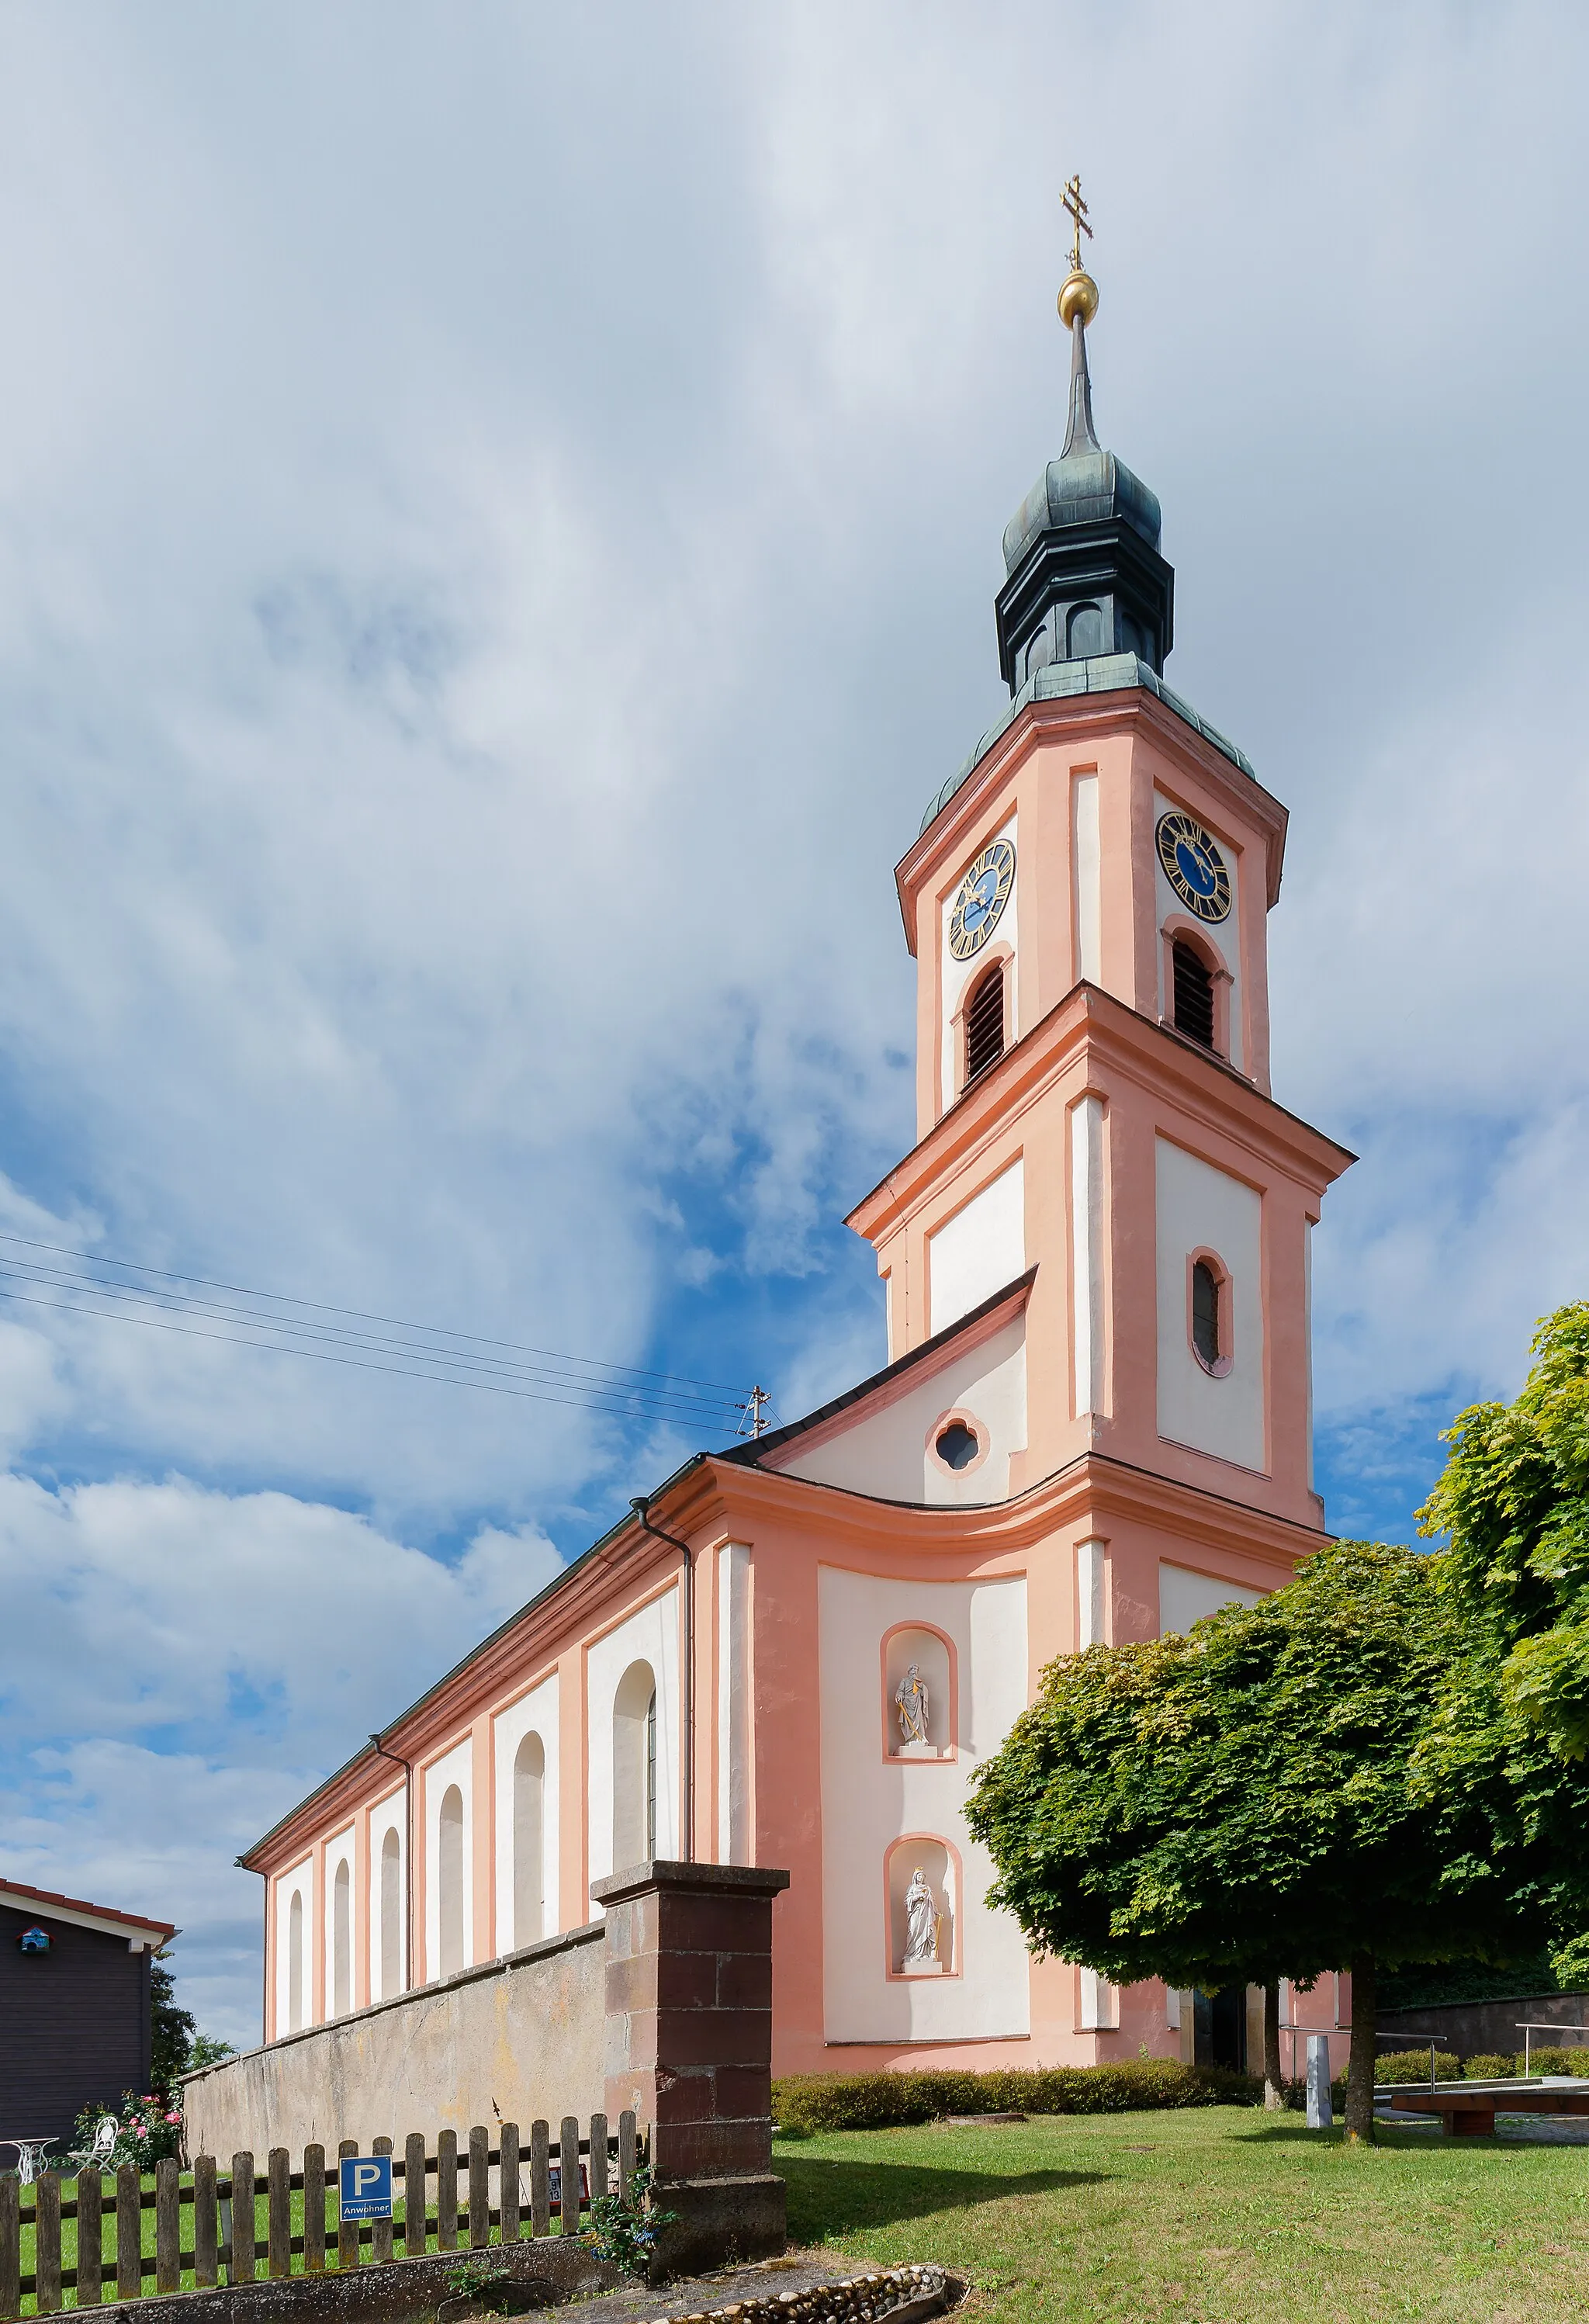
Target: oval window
{"x": 957, "y": 1445}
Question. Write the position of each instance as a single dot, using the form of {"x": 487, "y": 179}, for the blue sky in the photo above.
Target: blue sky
{"x": 499, "y": 518}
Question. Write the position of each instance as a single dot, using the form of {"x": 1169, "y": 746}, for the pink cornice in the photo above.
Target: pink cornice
{"x": 1074, "y": 719}
{"x": 1090, "y": 1026}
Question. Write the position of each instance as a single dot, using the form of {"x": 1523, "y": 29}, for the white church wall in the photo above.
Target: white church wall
{"x": 454, "y": 1768}
{"x": 958, "y": 974}
{"x": 295, "y": 1939}
{"x": 338, "y": 1906}
{"x": 1200, "y": 1209}
{"x": 535, "y": 1713}
{"x": 388, "y": 1956}
{"x": 889, "y": 1451}
{"x": 650, "y": 1635}
{"x": 977, "y": 1251}
{"x": 1185, "y": 1596}
{"x": 1224, "y": 935}
{"x": 872, "y": 1801}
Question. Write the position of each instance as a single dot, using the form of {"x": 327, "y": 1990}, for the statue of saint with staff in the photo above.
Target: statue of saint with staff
{"x": 911, "y": 1701}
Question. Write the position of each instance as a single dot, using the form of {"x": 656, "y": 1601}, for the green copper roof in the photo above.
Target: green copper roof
{"x": 1101, "y": 674}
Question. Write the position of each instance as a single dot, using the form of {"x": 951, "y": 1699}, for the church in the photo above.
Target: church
{"x": 1094, "y": 1422}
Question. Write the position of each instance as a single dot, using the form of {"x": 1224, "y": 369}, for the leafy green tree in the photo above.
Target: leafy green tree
{"x": 1514, "y": 1501}
{"x": 176, "y": 2045}
{"x": 1251, "y": 1801}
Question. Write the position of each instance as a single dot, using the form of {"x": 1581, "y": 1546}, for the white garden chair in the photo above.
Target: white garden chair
{"x": 101, "y": 2147}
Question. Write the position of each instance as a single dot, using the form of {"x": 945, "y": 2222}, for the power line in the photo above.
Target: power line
{"x": 359, "y": 1315}
{"x": 337, "y": 1337}
{"x": 619, "y": 1391}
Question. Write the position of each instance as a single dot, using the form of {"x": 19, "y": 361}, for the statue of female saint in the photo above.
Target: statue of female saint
{"x": 920, "y": 1920}
{"x": 911, "y": 1701}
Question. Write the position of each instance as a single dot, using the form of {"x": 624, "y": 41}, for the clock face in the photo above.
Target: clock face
{"x": 982, "y": 896}
{"x": 1194, "y": 867}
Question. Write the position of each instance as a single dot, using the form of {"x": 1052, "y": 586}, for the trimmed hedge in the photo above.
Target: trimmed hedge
{"x": 804, "y": 2103}
{"x": 1572, "y": 2058}
{"x": 1413, "y": 2066}
{"x": 1489, "y": 2066}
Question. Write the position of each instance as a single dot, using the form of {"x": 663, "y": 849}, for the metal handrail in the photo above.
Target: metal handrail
{"x": 1525, "y": 2027}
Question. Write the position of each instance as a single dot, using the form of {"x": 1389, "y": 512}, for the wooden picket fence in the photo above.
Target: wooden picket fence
{"x": 206, "y": 2200}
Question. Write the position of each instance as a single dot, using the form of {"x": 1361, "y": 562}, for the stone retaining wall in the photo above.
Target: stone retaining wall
{"x": 515, "y": 2039}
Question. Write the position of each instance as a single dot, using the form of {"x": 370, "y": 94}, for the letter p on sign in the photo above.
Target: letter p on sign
{"x": 366, "y": 2186}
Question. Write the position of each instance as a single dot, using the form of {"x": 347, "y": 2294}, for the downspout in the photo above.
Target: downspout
{"x": 640, "y": 1504}
{"x": 408, "y": 1856}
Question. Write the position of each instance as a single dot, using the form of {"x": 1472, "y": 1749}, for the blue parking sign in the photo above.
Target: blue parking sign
{"x": 366, "y": 2186}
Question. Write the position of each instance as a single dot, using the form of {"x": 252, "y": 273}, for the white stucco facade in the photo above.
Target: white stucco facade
{"x": 1185, "y": 1596}
{"x": 535, "y": 1713}
{"x": 978, "y": 1250}
{"x": 449, "y": 1910}
{"x": 650, "y": 1635}
{"x": 888, "y": 1449}
{"x": 870, "y": 1802}
{"x": 1202, "y": 1210}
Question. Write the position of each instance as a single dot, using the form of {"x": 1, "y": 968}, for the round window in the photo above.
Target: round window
{"x": 955, "y": 1445}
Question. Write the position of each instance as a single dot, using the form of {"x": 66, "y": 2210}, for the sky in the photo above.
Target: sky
{"x": 499, "y": 519}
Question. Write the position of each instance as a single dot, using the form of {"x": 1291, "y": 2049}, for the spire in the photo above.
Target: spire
{"x": 1078, "y": 303}
{"x": 1084, "y": 579}
{"x": 1079, "y": 430}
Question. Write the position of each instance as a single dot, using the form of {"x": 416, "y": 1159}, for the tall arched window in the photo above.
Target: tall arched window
{"x": 984, "y": 1022}
{"x": 634, "y": 1768}
{"x": 1193, "y": 993}
{"x": 342, "y": 1940}
{"x": 529, "y": 1881}
{"x": 1205, "y": 1332}
{"x": 295, "y": 1962}
{"x": 450, "y": 1880}
{"x": 391, "y": 1915}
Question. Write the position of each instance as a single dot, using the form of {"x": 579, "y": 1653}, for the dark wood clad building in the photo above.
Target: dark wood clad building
{"x": 74, "y": 2008}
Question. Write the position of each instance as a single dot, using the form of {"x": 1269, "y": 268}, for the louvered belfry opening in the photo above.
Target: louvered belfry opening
{"x": 1194, "y": 995}
{"x": 984, "y": 1023}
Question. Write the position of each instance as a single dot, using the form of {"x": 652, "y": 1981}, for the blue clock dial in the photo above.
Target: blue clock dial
{"x": 980, "y": 897}
{"x": 1194, "y": 866}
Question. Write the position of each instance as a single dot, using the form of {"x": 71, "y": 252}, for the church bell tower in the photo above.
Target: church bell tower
{"x": 1088, "y": 903}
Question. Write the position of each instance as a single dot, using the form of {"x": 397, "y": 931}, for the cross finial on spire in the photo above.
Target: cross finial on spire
{"x": 1072, "y": 199}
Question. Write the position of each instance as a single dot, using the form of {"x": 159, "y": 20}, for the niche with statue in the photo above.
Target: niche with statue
{"x": 922, "y": 1883}
{"x": 920, "y": 1690}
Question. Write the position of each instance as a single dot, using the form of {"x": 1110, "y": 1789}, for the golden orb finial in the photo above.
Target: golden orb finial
{"x": 1078, "y": 293}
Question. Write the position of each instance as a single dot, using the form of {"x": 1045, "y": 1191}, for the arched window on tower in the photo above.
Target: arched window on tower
{"x": 449, "y": 1870}
{"x": 984, "y": 1022}
{"x": 1193, "y": 993}
{"x": 1205, "y": 1335}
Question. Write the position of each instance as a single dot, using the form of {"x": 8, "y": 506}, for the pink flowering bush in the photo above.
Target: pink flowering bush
{"x": 149, "y": 2129}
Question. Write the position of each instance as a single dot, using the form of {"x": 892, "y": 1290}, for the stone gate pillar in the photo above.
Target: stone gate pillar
{"x": 690, "y": 2045}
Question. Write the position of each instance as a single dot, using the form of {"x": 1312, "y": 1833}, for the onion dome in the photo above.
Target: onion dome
{"x": 1081, "y": 554}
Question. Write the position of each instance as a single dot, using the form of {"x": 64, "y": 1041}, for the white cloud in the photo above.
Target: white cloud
{"x": 497, "y": 533}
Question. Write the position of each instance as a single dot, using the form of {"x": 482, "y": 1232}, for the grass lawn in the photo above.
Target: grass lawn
{"x": 1211, "y": 2216}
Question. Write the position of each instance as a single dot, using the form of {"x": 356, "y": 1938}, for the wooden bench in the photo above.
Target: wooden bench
{"x": 1468, "y": 2109}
